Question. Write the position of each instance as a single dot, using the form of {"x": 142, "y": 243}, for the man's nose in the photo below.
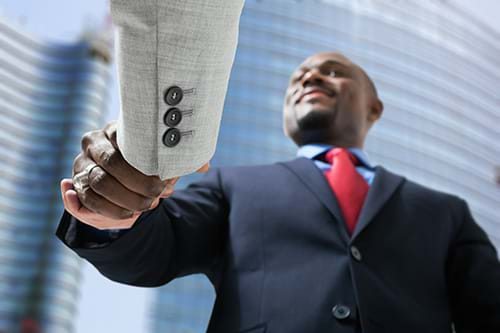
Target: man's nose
{"x": 313, "y": 76}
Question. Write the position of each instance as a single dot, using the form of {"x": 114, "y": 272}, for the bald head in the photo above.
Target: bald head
{"x": 369, "y": 81}
{"x": 340, "y": 112}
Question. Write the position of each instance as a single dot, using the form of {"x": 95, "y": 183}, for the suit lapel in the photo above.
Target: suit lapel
{"x": 383, "y": 186}
{"x": 315, "y": 181}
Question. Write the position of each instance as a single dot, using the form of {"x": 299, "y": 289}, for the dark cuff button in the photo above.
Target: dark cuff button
{"x": 341, "y": 312}
{"x": 171, "y": 137}
{"x": 172, "y": 117}
{"x": 173, "y": 95}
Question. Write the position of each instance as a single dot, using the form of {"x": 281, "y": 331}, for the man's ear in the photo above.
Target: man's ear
{"x": 376, "y": 110}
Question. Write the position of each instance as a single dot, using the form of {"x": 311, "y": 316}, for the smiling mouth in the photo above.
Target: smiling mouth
{"x": 313, "y": 94}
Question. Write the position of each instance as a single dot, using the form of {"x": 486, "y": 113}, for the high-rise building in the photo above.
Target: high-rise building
{"x": 50, "y": 94}
{"x": 437, "y": 71}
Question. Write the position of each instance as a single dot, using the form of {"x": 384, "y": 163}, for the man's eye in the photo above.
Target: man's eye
{"x": 332, "y": 73}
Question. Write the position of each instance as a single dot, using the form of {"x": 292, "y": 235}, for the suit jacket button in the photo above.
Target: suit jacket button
{"x": 171, "y": 137}
{"x": 356, "y": 254}
{"x": 173, "y": 95}
{"x": 341, "y": 311}
{"x": 172, "y": 117}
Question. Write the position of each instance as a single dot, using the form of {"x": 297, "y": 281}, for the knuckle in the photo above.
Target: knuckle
{"x": 104, "y": 158}
{"x": 87, "y": 139}
{"x": 155, "y": 187}
{"x": 109, "y": 159}
{"x": 112, "y": 134}
{"x": 87, "y": 199}
{"x": 98, "y": 179}
{"x": 145, "y": 204}
{"x": 110, "y": 127}
{"x": 156, "y": 190}
{"x": 77, "y": 161}
{"x": 77, "y": 158}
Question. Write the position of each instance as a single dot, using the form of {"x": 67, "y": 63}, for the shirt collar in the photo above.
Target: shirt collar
{"x": 312, "y": 150}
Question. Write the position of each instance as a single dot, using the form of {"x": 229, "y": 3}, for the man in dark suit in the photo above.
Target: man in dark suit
{"x": 325, "y": 242}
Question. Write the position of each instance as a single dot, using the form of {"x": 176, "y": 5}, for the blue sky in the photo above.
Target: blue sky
{"x": 106, "y": 306}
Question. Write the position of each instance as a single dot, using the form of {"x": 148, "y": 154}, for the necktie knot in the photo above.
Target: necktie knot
{"x": 348, "y": 185}
{"x": 343, "y": 153}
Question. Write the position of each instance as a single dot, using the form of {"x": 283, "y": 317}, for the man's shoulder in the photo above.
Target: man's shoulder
{"x": 257, "y": 167}
{"x": 257, "y": 173}
{"x": 424, "y": 190}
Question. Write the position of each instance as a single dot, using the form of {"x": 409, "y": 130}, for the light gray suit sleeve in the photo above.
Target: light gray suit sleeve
{"x": 160, "y": 45}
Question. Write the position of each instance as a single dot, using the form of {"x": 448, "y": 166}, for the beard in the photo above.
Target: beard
{"x": 315, "y": 124}
{"x": 314, "y": 117}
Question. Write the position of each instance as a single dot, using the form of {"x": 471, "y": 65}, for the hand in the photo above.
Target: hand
{"x": 116, "y": 193}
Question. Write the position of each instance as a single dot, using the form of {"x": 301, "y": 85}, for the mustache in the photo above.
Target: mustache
{"x": 301, "y": 92}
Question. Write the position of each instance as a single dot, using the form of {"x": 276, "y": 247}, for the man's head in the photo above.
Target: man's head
{"x": 330, "y": 100}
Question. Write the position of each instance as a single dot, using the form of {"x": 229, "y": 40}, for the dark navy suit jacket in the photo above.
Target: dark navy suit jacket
{"x": 272, "y": 241}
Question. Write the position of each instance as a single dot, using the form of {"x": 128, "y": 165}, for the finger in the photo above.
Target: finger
{"x": 100, "y": 205}
{"x": 71, "y": 202}
{"x": 66, "y": 185}
{"x": 169, "y": 189}
{"x": 81, "y": 178}
{"x": 108, "y": 187}
{"x": 111, "y": 160}
{"x": 80, "y": 163}
{"x": 172, "y": 181}
{"x": 155, "y": 203}
{"x": 110, "y": 132}
{"x": 204, "y": 168}
{"x": 74, "y": 207}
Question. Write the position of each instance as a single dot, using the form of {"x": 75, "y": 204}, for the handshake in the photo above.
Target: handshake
{"x": 106, "y": 192}
{"x": 188, "y": 51}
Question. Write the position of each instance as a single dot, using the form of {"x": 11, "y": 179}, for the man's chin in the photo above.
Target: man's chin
{"x": 318, "y": 117}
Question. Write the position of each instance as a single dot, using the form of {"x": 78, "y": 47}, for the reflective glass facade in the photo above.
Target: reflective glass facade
{"x": 437, "y": 71}
{"x": 50, "y": 94}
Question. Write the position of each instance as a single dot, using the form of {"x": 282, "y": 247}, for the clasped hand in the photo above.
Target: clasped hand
{"x": 106, "y": 192}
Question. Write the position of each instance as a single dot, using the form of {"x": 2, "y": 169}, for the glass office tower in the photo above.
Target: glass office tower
{"x": 437, "y": 71}
{"x": 50, "y": 94}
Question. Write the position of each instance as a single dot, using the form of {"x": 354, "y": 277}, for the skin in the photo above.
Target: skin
{"x": 117, "y": 193}
{"x": 341, "y": 113}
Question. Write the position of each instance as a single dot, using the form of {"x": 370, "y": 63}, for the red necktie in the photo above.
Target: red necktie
{"x": 349, "y": 186}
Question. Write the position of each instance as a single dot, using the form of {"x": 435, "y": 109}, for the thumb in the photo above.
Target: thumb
{"x": 70, "y": 198}
{"x": 155, "y": 203}
{"x": 204, "y": 168}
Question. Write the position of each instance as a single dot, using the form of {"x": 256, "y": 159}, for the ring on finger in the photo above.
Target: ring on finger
{"x": 82, "y": 179}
